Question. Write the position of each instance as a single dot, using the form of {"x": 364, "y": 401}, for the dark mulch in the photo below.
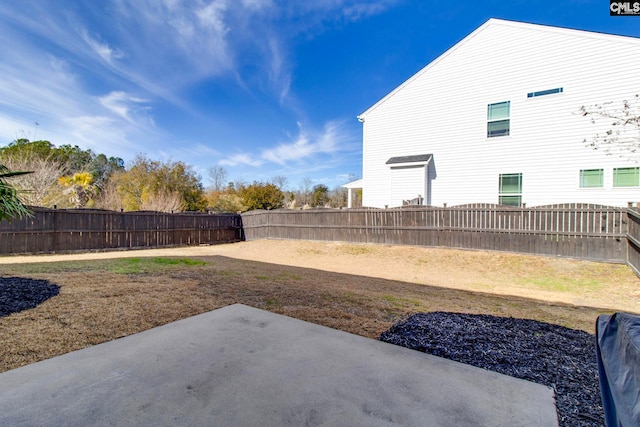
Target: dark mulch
{"x": 18, "y": 293}
{"x": 552, "y": 355}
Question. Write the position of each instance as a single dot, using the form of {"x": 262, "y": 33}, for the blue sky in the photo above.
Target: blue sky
{"x": 263, "y": 88}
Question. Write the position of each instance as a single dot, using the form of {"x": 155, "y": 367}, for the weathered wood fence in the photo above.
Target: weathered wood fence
{"x": 588, "y": 232}
{"x": 633, "y": 237}
{"x": 64, "y": 230}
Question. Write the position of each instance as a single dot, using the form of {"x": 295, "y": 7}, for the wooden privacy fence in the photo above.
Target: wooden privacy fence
{"x": 52, "y": 230}
{"x": 589, "y": 232}
{"x": 633, "y": 237}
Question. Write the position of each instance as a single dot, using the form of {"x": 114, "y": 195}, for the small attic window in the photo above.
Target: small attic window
{"x": 544, "y": 92}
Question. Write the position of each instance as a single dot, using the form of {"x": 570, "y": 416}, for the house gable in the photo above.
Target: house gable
{"x": 539, "y": 77}
{"x": 492, "y": 22}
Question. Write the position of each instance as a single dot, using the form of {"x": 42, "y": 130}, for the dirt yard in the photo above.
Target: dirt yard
{"x": 579, "y": 283}
{"x": 357, "y": 288}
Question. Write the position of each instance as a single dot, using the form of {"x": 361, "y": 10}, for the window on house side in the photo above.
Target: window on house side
{"x": 626, "y": 177}
{"x": 591, "y": 178}
{"x": 498, "y": 119}
{"x": 544, "y": 92}
{"x": 510, "y": 189}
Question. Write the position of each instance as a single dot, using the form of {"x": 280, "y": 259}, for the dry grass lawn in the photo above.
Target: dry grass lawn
{"x": 361, "y": 289}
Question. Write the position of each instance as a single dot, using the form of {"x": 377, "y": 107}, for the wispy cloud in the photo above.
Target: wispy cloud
{"x": 307, "y": 144}
{"x": 130, "y": 108}
{"x": 279, "y": 70}
{"x": 241, "y": 159}
{"x": 103, "y": 50}
{"x": 166, "y": 45}
{"x": 303, "y": 151}
{"x": 358, "y": 11}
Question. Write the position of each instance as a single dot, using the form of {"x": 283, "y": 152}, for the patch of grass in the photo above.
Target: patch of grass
{"x": 50, "y": 267}
{"x": 273, "y": 303}
{"x": 127, "y": 266}
{"x": 227, "y": 273}
{"x": 118, "y": 266}
{"x": 181, "y": 261}
{"x": 311, "y": 251}
{"x": 563, "y": 283}
{"x": 400, "y": 302}
{"x": 147, "y": 265}
{"x": 278, "y": 277}
{"x": 357, "y": 249}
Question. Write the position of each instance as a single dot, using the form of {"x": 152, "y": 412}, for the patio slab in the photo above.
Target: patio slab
{"x": 240, "y": 366}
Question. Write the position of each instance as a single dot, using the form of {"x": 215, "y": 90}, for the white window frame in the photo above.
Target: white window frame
{"x": 502, "y": 194}
{"x": 500, "y": 118}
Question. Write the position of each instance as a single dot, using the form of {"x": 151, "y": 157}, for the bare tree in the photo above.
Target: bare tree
{"x": 218, "y": 176}
{"x": 279, "y": 181}
{"x": 39, "y": 188}
{"x": 109, "y": 197}
{"x": 620, "y": 124}
{"x": 304, "y": 194}
{"x": 163, "y": 201}
{"x": 338, "y": 197}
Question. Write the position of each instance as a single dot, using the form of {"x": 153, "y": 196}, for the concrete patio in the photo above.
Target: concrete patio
{"x": 240, "y": 366}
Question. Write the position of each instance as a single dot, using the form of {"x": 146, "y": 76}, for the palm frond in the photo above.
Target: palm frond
{"x": 10, "y": 205}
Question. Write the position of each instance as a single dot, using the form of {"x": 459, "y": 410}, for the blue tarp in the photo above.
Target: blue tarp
{"x": 618, "y": 350}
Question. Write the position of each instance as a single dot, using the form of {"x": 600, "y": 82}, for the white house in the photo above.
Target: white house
{"x": 495, "y": 119}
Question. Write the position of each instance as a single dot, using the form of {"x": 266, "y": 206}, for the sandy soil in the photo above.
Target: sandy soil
{"x": 579, "y": 283}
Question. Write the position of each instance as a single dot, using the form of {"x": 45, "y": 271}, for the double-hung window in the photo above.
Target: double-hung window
{"x": 510, "y": 189}
{"x": 592, "y": 178}
{"x": 498, "y": 119}
{"x": 626, "y": 177}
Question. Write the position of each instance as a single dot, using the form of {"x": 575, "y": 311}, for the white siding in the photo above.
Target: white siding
{"x": 443, "y": 110}
{"x": 407, "y": 183}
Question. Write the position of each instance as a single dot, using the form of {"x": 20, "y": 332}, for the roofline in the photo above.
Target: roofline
{"x": 494, "y": 21}
{"x": 358, "y": 183}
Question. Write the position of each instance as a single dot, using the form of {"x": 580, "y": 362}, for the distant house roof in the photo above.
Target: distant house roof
{"x": 353, "y": 184}
{"x": 419, "y": 158}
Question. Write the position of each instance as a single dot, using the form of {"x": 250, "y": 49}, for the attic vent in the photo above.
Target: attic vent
{"x": 544, "y": 92}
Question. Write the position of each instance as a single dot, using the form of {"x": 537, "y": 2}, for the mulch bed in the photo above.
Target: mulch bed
{"x": 561, "y": 358}
{"x": 19, "y": 293}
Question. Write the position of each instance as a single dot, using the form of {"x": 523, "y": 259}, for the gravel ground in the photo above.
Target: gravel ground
{"x": 18, "y": 293}
{"x": 561, "y": 358}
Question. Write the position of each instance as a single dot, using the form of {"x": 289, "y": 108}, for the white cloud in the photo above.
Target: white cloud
{"x": 211, "y": 16}
{"x": 241, "y": 159}
{"x": 202, "y": 150}
{"x": 359, "y": 11}
{"x": 128, "y": 107}
{"x": 103, "y": 50}
{"x": 257, "y": 4}
{"x": 279, "y": 72}
{"x": 327, "y": 141}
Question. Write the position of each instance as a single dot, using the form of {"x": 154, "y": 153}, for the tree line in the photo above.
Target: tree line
{"x": 66, "y": 176}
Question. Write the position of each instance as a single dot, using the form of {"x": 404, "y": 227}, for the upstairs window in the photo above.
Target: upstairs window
{"x": 510, "y": 189}
{"x": 592, "y": 178}
{"x": 626, "y": 177}
{"x": 544, "y": 92}
{"x": 498, "y": 119}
